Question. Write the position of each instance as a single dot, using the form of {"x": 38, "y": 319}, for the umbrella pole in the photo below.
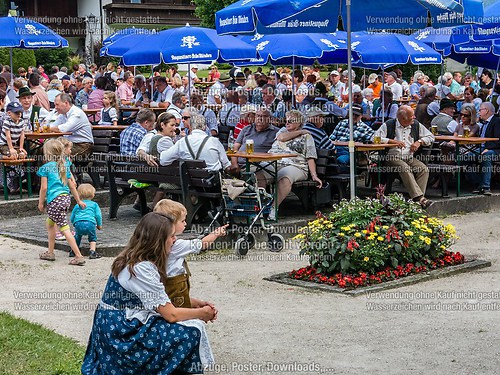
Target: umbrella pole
{"x": 352, "y": 178}
{"x": 11, "y": 67}
{"x": 293, "y": 81}
{"x": 383, "y": 88}
{"x": 189, "y": 84}
{"x": 152, "y": 83}
{"x": 441, "y": 80}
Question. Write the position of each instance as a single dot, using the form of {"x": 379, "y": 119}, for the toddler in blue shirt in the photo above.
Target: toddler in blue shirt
{"x": 87, "y": 220}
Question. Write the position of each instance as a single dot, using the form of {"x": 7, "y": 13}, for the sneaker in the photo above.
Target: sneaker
{"x": 60, "y": 236}
{"x": 486, "y": 192}
{"x": 272, "y": 214}
{"x": 94, "y": 255}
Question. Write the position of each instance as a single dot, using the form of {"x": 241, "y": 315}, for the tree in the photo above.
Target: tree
{"x": 20, "y": 57}
{"x": 205, "y": 10}
{"x": 48, "y": 57}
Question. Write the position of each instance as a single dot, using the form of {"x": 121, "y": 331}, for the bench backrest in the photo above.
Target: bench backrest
{"x": 127, "y": 167}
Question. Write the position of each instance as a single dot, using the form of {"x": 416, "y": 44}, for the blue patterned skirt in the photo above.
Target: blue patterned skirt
{"x": 120, "y": 346}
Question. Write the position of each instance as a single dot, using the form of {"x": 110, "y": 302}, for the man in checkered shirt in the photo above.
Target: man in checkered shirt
{"x": 362, "y": 133}
{"x": 130, "y": 138}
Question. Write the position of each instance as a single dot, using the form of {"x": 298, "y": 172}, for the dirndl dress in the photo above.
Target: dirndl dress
{"x": 128, "y": 337}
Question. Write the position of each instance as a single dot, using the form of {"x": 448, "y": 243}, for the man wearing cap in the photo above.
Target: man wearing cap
{"x": 375, "y": 84}
{"x": 218, "y": 90}
{"x": 444, "y": 121}
{"x": 396, "y": 88}
{"x": 193, "y": 76}
{"x": 73, "y": 119}
{"x": 25, "y": 97}
{"x": 418, "y": 81}
{"x": 314, "y": 126}
{"x": 362, "y": 133}
{"x": 69, "y": 88}
{"x": 410, "y": 136}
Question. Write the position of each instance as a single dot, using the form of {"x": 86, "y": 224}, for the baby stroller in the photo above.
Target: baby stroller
{"x": 243, "y": 207}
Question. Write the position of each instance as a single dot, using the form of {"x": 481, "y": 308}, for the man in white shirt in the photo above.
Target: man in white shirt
{"x": 396, "y": 88}
{"x": 217, "y": 93}
{"x": 163, "y": 92}
{"x": 193, "y": 76}
{"x": 203, "y": 147}
{"x": 410, "y": 136}
{"x": 73, "y": 119}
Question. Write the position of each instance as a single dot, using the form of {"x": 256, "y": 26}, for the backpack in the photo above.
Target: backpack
{"x": 110, "y": 83}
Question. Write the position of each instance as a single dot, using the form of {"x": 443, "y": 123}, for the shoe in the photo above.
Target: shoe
{"x": 60, "y": 236}
{"x": 71, "y": 254}
{"x": 272, "y": 214}
{"x": 48, "y": 256}
{"x": 486, "y": 192}
{"x": 94, "y": 255}
{"x": 77, "y": 261}
{"x": 425, "y": 203}
{"x": 138, "y": 185}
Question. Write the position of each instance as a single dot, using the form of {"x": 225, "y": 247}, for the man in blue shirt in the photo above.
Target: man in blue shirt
{"x": 314, "y": 125}
{"x": 130, "y": 138}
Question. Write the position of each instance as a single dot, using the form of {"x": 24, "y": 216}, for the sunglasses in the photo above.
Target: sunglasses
{"x": 186, "y": 117}
{"x": 464, "y": 115}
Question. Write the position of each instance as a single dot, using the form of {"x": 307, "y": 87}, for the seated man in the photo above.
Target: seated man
{"x": 262, "y": 133}
{"x": 409, "y": 135}
{"x": 362, "y": 133}
{"x": 314, "y": 126}
{"x": 444, "y": 121}
{"x": 198, "y": 146}
{"x": 73, "y": 119}
{"x": 489, "y": 150}
{"x": 131, "y": 138}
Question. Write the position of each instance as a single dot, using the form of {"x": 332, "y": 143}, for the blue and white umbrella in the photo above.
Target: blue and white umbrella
{"x": 126, "y": 32}
{"x": 19, "y": 32}
{"x": 291, "y": 16}
{"x": 121, "y": 45}
{"x": 302, "y": 49}
{"x": 187, "y": 45}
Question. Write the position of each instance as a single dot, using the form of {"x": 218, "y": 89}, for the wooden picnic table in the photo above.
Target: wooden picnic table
{"x": 12, "y": 163}
{"x": 462, "y": 141}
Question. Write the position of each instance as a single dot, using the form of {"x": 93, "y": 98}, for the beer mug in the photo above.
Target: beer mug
{"x": 249, "y": 146}
{"x": 466, "y": 132}
{"x": 434, "y": 129}
{"x": 85, "y": 107}
{"x": 377, "y": 139}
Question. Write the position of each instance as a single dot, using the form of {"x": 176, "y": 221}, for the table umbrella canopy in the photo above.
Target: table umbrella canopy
{"x": 302, "y": 49}
{"x": 186, "y": 45}
{"x": 121, "y": 45}
{"x": 290, "y": 16}
{"x": 16, "y": 32}
{"x": 384, "y": 49}
{"x": 126, "y": 32}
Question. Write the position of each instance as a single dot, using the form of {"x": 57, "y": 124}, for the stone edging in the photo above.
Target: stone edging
{"x": 471, "y": 265}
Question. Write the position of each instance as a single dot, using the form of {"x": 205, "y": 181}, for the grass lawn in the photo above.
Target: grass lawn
{"x": 28, "y": 348}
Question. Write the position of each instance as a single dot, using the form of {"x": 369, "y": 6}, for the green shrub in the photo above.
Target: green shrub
{"x": 48, "y": 57}
{"x": 20, "y": 57}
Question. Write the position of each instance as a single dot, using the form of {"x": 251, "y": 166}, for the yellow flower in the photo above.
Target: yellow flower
{"x": 442, "y": 247}
{"x": 364, "y": 231}
{"x": 427, "y": 240}
{"x": 408, "y": 233}
{"x": 357, "y": 234}
{"x": 341, "y": 234}
{"x": 299, "y": 237}
{"x": 377, "y": 228}
{"x": 385, "y": 227}
{"x": 366, "y": 259}
{"x": 380, "y": 238}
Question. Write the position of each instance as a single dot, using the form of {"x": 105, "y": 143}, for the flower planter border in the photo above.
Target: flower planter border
{"x": 469, "y": 265}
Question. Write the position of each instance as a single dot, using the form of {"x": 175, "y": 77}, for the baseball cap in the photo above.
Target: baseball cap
{"x": 316, "y": 111}
{"x": 334, "y": 73}
{"x": 372, "y": 78}
{"x": 65, "y": 77}
{"x": 14, "y": 107}
{"x": 357, "y": 109}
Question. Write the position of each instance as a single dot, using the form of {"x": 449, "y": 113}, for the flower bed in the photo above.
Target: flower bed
{"x": 368, "y": 241}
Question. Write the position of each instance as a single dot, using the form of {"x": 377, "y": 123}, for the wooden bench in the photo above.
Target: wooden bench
{"x": 120, "y": 169}
{"x": 11, "y": 163}
{"x": 200, "y": 188}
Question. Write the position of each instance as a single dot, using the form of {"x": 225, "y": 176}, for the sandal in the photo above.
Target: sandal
{"x": 425, "y": 203}
{"x": 77, "y": 261}
{"x": 47, "y": 256}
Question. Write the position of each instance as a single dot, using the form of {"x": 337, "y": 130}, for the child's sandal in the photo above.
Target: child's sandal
{"x": 77, "y": 261}
{"x": 48, "y": 256}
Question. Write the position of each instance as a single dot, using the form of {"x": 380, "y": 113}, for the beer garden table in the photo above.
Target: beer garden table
{"x": 464, "y": 141}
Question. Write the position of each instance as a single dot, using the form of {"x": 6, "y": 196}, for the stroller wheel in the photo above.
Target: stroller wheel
{"x": 243, "y": 244}
{"x": 276, "y": 242}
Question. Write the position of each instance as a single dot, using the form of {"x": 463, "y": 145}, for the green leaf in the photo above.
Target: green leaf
{"x": 394, "y": 262}
{"x": 397, "y": 248}
{"x": 345, "y": 264}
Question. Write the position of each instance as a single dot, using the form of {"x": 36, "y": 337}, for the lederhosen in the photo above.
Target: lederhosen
{"x": 177, "y": 288}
